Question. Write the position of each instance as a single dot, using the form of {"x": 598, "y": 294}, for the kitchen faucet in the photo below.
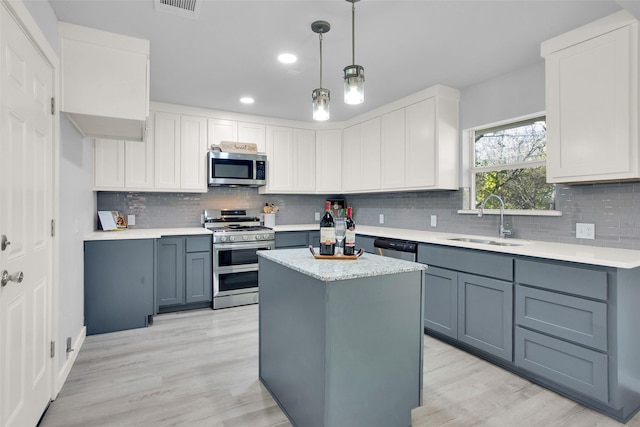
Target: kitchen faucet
{"x": 503, "y": 231}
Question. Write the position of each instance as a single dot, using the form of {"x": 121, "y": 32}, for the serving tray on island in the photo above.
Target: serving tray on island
{"x": 343, "y": 257}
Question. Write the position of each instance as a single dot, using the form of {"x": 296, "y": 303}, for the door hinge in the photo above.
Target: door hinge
{"x": 53, "y": 106}
{"x": 53, "y": 228}
{"x": 53, "y": 349}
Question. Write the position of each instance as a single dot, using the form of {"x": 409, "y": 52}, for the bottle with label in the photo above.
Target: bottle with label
{"x": 327, "y": 232}
{"x": 350, "y": 236}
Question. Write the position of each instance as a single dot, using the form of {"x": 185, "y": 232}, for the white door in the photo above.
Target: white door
{"x": 26, "y": 189}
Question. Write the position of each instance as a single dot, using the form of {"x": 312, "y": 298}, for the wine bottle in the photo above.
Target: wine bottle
{"x": 327, "y": 232}
{"x": 350, "y": 236}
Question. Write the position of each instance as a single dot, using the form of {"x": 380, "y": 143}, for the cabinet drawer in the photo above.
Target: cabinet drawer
{"x": 570, "y": 365}
{"x": 291, "y": 239}
{"x": 581, "y": 281}
{"x": 199, "y": 244}
{"x": 575, "y": 319}
{"x": 467, "y": 261}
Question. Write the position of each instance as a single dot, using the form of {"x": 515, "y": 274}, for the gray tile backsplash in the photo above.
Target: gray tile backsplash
{"x": 614, "y": 208}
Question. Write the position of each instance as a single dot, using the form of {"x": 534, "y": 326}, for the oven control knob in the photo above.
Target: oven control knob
{"x": 266, "y": 236}
{"x": 258, "y": 237}
{"x": 245, "y": 237}
{"x": 223, "y": 238}
{"x": 232, "y": 238}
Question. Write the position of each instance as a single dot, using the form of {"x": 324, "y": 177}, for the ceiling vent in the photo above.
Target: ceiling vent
{"x": 186, "y": 8}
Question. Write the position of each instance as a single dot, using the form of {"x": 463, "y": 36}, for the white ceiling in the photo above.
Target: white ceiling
{"x": 230, "y": 50}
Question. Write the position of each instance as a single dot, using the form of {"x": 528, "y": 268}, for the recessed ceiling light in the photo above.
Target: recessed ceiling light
{"x": 287, "y": 58}
{"x": 247, "y": 100}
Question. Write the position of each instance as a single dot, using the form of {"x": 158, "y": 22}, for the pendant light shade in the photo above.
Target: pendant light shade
{"x": 321, "y": 96}
{"x": 353, "y": 74}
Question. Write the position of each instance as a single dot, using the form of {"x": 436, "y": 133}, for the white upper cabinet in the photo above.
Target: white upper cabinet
{"x": 392, "y": 131}
{"x": 180, "y": 152}
{"x": 420, "y": 143}
{"x": 219, "y": 130}
{"x": 193, "y": 153}
{"x": 231, "y": 130}
{"x": 105, "y": 82}
{"x": 167, "y": 150}
{"x": 108, "y": 165}
{"x": 138, "y": 165}
{"x": 328, "y": 158}
{"x": 123, "y": 165}
{"x": 291, "y": 160}
{"x": 361, "y": 157}
{"x": 592, "y": 101}
{"x": 254, "y": 133}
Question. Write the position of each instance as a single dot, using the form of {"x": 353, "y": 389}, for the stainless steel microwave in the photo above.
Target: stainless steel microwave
{"x": 237, "y": 169}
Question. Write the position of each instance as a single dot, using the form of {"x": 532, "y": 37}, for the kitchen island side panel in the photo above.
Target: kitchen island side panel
{"x": 375, "y": 337}
{"x": 341, "y": 353}
{"x": 292, "y": 341}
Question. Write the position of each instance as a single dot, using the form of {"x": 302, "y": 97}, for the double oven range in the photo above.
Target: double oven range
{"x": 237, "y": 238}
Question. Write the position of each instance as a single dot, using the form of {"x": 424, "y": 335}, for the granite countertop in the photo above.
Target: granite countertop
{"x": 593, "y": 255}
{"x": 328, "y": 270}
{"x": 146, "y": 233}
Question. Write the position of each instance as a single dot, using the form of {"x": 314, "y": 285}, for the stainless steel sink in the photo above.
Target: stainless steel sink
{"x": 485, "y": 241}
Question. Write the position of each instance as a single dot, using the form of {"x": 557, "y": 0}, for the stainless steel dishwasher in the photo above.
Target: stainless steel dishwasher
{"x": 400, "y": 249}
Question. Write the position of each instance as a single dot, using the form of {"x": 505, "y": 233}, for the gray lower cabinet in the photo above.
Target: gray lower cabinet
{"x": 366, "y": 243}
{"x": 184, "y": 273}
{"x": 296, "y": 239}
{"x": 485, "y": 314}
{"x": 441, "y": 301}
{"x": 561, "y": 325}
{"x": 470, "y": 308}
{"x": 118, "y": 284}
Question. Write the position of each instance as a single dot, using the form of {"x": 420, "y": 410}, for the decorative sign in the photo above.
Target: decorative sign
{"x": 236, "y": 147}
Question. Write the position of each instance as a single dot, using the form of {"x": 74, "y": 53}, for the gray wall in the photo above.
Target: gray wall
{"x": 612, "y": 207}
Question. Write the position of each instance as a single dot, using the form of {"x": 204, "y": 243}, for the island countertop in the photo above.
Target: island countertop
{"x": 329, "y": 270}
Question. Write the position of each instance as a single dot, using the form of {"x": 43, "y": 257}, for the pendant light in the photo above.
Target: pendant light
{"x": 320, "y": 96}
{"x": 353, "y": 74}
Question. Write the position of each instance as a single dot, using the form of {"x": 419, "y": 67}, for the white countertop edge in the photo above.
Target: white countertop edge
{"x": 593, "y": 255}
{"x": 146, "y": 233}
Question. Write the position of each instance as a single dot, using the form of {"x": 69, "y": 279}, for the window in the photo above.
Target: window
{"x": 510, "y": 161}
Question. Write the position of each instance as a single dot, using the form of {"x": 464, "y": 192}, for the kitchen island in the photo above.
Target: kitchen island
{"x": 341, "y": 340}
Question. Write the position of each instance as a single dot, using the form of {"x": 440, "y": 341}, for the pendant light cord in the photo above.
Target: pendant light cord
{"x": 353, "y": 32}
{"x": 320, "y": 35}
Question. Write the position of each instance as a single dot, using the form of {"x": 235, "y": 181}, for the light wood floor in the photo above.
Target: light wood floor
{"x": 200, "y": 368}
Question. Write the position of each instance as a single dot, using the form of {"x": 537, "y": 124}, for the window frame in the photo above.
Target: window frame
{"x": 470, "y": 199}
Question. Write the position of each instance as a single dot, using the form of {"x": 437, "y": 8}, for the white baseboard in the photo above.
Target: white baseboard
{"x": 73, "y": 355}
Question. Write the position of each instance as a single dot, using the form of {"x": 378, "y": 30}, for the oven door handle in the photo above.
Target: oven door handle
{"x": 244, "y": 245}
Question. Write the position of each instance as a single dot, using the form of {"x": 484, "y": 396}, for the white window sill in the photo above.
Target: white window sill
{"x": 513, "y": 212}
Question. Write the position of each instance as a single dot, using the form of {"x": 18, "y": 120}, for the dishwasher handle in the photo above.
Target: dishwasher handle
{"x": 396, "y": 245}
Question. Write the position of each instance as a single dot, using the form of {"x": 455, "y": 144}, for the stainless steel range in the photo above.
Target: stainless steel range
{"x": 237, "y": 238}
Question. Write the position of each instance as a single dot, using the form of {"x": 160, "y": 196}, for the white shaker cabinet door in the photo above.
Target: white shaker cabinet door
{"x": 329, "y": 161}
{"x": 420, "y": 144}
{"x": 167, "y": 151}
{"x": 591, "y": 96}
{"x": 392, "y": 128}
{"x": 280, "y": 159}
{"x": 138, "y": 164}
{"x": 221, "y": 130}
{"x": 109, "y": 164}
{"x": 254, "y": 133}
{"x": 370, "y": 140}
{"x": 304, "y": 164}
{"x": 193, "y": 153}
{"x": 351, "y": 155}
